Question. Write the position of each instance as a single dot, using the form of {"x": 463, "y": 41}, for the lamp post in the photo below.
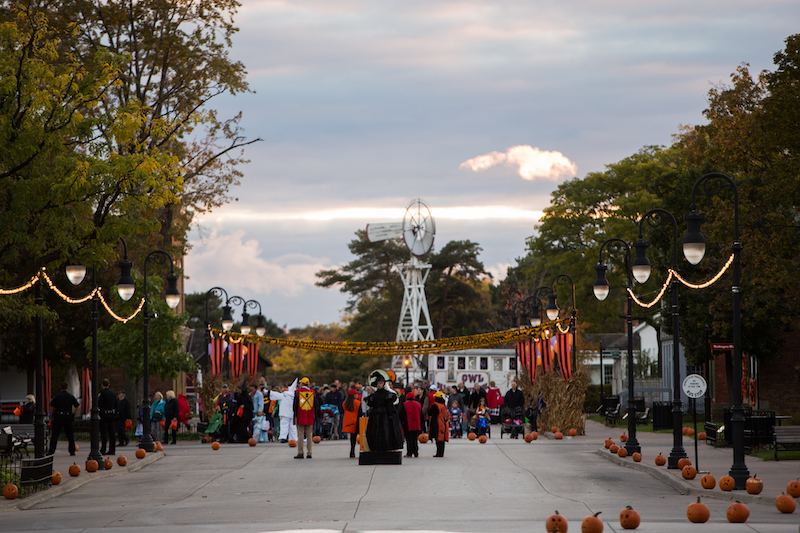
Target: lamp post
{"x": 552, "y": 311}
{"x": 173, "y": 298}
{"x": 125, "y": 287}
{"x": 641, "y": 273}
{"x": 602, "y": 374}
{"x": 601, "y": 290}
{"x": 261, "y": 324}
{"x": 694, "y": 248}
{"x": 38, "y": 420}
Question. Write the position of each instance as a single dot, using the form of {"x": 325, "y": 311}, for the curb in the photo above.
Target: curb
{"x": 684, "y": 487}
{"x": 72, "y": 484}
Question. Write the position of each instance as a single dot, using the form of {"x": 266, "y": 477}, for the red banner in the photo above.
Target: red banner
{"x": 216, "y": 352}
{"x": 86, "y": 391}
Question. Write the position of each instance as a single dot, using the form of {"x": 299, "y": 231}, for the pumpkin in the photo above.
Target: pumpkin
{"x": 689, "y": 472}
{"x": 685, "y": 430}
{"x": 528, "y": 438}
{"x": 623, "y": 438}
{"x": 622, "y": 452}
{"x": 614, "y": 448}
{"x": 358, "y": 439}
{"x": 607, "y": 443}
{"x": 423, "y": 438}
{"x": 573, "y": 432}
{"x": 629, "y": 518}
{"x": 592, "y": 524}
{"x": 785, "y": 503}
{"x": 77, "y": 449}
{"x": 140, "y": 453}
{"x": 472, "y": 435}
{"x": 690, "y": 431}
{"x": 55, "y": 479}
{"x": 252, "y": 441}
{"x": 558, "y": 435}
{"x": 698, "y": 513}
{"x": 206, "y": 438}
{"x": 737, "y": 512}
{"x": 683, "y": 461}
{"x": 108, "y": 464}
{"x": 660, "y": 460}
{"x": 555, "y": 522}
{"x": 554, "y": 429}
{"x": 316, "y": 440}
{"x": 215, "y": 445}
{"x": 292, "y": 443}
{"x": 74, "y": 470}
{"x": 727, "y": 483}
{"x": 701, "y": 435}
{"x": 482, "y": 439}
{"x": 753, "y": 485}
{"x": 159, "y": 447}
{"x": 122, "y": 460}
{"x": 708, "y": 481}
{"x": 793, "y": 488}
{"x": 637, "y": 457}
{"x": 534, "y": 435}
{"x": 11, "y": 492}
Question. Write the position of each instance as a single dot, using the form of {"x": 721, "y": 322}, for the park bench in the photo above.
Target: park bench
{"x": 711, "y": 430}
{"x": 610, "y": 409}
{"x": 643, "y": 417}
{"x": 784, "y": 435}
{"x": 17, "y": 437}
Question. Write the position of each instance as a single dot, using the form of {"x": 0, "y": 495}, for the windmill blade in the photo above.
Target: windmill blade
{"x": 419, "y": 228}
{"x": 383, "y": 231}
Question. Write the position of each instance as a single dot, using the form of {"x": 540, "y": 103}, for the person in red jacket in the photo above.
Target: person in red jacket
{"x": 411, "y": 421}
{"x": 306, "y": 411}
{"x": 440, "y": 423}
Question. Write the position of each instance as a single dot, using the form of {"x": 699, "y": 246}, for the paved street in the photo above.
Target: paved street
{"x": 504, "y": 485}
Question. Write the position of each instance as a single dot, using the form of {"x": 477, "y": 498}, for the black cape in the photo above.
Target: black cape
{"x": 383, "y": 425}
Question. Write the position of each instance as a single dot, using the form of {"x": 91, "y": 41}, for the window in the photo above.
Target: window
{"x": 608, "y": 374}
{"x": 484, "y": 363}
{"x": 512, "y": 363}
{"x": 462, "y": 365}
{"x": 497, "y": 364}
{"x": 451, "y": 369}
{"x": 473, "y": 363}
{"x": 440, "y": 363}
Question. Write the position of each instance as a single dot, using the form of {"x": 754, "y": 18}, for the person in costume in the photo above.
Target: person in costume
{"x": 242, "y": 416}
{"x": 383, "y": 425}
{"x": 481, "y": 417}
{"x": 411, "y": 421}
{"x": 439, "y": 423}
{"x": 306, "y": 412}
{"x": 288, "y": 430}
{"x": 350, "y": 419}
{"x": 224, "y": 404}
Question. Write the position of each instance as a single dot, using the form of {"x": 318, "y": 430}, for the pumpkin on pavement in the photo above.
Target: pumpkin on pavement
{"x": 660, "y": 460}
{"x": 727, "y": 483}
{"x": 613, "y": 448}
{"x": 793, "y": 488}
{"x": 252, "y": 441}
{"x": 316, "y": 439}
{"x": 753, "y": 485}
{"x": 622, "y": 452}
{"x": 482, "y": 439}
{"x": 555, "y": 522}
{"x": 92, "y": 466}
{"x": 558, "y": 435}
{"x": 55, "y": 479}
{"x": 708, "y": 481}
{"x": 737, "y": 512}
{"x": 573, "y": 432}
{"x": 785, "y": 503}
{"x": 140, "y": 453}
{"x": 592, "y": 524}
{"x": 11, "y": 492}
{"x": 683, "y": 461}
{"x": 122, "y": 460}
{"x": 108, "y": 464}
{"x": 215, "y": 445}
{"x": 74, "y": 470}
{"x": 629, "y": 518}
{"x": 698, "y": 513}
{"x": 689, "y": 472}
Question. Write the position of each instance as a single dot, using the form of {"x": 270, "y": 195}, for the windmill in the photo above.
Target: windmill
{"x": 418, "y": 230}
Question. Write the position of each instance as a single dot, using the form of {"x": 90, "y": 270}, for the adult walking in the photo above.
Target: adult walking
{"x": 171, "y": 410}
{"x": 350, "y": 418}
{"x": 257, "y": 398}
{"x": 439, "y": 420}
{"x": 63, "y": 407}
{"x": 157, "y": 416}
{"x": 28, "y": 410}
{"x": 306, "y": 412}
{"x": 285, "y": 399}
{"x": 124, "y": 418}
{"x": 107, "y": 403}
{"x": 515, "y": 403}
{"x": 411, "y": 422}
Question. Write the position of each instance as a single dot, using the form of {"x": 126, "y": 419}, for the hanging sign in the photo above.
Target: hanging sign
{"x": 694, "y": 386}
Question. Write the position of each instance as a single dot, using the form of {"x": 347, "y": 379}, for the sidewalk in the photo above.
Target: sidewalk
{"x": 716, "y": 461}
{"x": 61, "y": 463}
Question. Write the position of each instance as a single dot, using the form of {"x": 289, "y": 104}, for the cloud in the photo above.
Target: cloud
{"x": 530, "y": 162}
{"x": 239, "y": 263}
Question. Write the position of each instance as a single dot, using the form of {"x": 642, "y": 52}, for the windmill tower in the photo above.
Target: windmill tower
{"x": 418, "y": 230}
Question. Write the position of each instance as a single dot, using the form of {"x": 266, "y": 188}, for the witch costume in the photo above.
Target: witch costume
{"x": 383, "y": 424}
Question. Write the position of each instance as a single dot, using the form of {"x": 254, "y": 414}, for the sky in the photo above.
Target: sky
{"x": 479, "y": 108}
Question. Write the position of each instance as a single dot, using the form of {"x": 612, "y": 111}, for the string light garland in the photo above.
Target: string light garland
{"x": 43, "y": 274}
{"x": 672, "y": 273}
{"x": 435, "y": 346}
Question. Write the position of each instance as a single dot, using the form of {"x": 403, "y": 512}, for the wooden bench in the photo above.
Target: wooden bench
{"x": 784, "y": 435}
{"x": 19, "y": 437}
{"x": 711, "y": 430}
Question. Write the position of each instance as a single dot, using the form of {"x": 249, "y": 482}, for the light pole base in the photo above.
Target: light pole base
{"x": 632, "y": 446}
{"x": 146, "y": 443}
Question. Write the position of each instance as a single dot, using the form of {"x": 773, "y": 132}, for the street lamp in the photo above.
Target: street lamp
{"x": 641, "y": 272}
{"x": 76, "y": 275}
{"x": 694, "y": 248}
{"x": 173, "y": 298}
{"x": 261, "y": 324}
{"x": 601, "y": 289}
{"x": 406, "y": 363}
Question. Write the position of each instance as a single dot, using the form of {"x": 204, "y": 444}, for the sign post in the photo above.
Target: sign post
{"x": 695, "y": 386}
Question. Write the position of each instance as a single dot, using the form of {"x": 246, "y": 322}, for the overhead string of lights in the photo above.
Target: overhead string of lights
{"x": 677, "y": 276}
{"x": 42, "y": 274}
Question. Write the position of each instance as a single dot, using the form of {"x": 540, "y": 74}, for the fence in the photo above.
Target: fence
{"x": 30, "y": 475}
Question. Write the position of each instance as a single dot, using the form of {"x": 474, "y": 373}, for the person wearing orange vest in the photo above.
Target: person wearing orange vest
{"x": 306, "y": 411}
{"x": 350, "y": 419}
{"x": 440, "y": 423}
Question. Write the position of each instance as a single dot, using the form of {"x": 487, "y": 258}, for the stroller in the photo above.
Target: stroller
{"x": 512, "y": 422}
{"x": 329, "y": 412}
{"x": 456, "y": 421}
{"x": 212, "y": 431}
